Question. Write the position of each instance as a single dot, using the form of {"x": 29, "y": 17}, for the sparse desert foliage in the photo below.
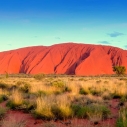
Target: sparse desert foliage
{"x": 119, "y": 70}
{"x": 63, "y": 98}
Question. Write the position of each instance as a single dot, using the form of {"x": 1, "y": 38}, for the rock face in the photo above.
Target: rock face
{"x": 67, "y": 58}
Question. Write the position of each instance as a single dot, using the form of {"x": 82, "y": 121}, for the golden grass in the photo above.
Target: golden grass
{"x": 44, "y": 105}
{"x": 16, "y": 97}
{"x": 3, "y": 92}
{"x": 63, "y": 104}
{"x": 74, "y": 86}
{"x": 53, "y": 105}
{"x": 35, "y": 88}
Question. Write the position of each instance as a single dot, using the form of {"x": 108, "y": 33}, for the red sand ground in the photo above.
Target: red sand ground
{"x": 32, "y": 122}
{"x": 67, "y": 58}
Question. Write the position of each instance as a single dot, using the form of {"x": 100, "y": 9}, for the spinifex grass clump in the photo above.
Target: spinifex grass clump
{"x": 91, "y": 111}
{"x": 59, "y": 84}
{"x": 122, "y": 120}
{"x": 97, "y": 112}
{"x": 3, "y": 95}
{"x": 3, "y": 98}
{"x": 62, "y": 107}
{"x": 106, "y": 95}
{"x": 50, "y": 107}
{"x": 15, "y": 100}
{"x": 119, "y": 91}
{"x": 43, "y": 108}
{"x": 44, "y": 89}
{"x": 27, "y": 106}
{"x": 67, "y": 89}
{"x": 79, "y": 111}
{"x": 83, "y": 91}
{"x": 25, "y": 88}
{"x": 39, "y": 76}
{"x": 2, "y": 112}
{"x": 3, "y": 85}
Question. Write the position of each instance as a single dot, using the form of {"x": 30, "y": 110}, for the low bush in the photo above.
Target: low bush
{"x": 106, "y": 95}
{"x": 122, "y": 120}
{"x": 3, "y": 85}
{"x": 59, "y": 84}
{"x": 27, "y": 107}
{"x": 41, "y": 93}
{"x": 15, "y": 100}
{"x": 79, "y": 111}
{"x": 83, "y": 91}
{"x": 2, "y": 111}
{"x": 43, "y": 108}
{"x": 98, "y": 81}
{"x": 25, "y": 88}
{"x": 67, "y": 89}
{"x": 39, "y": 76}
{"x": 62, "y": 111}
{"x": 90, "y": 111}
{"x": 94, "y": 109}
{"x": 3, "y": 98}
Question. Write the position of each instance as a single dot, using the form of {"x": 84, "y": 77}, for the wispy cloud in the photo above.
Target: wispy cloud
{"x": 115, "y": 34}
{"x": 104, "y": 42}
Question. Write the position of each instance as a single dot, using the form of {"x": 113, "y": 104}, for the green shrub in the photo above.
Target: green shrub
{"x": 122, "y": 120}
{"x": 116, "y": 95}
{"x": 19, "y": 83}
{"x": 25, "y": 88}
{"x": 93, "y": 109}
{"x": 83, "y": 91}
{"x": 3, "y": 85}
{"x": 44, "y": 114}
{"x": 123, "y": 100}
{"x": 99, "y": 81}
{"x": 58, "y": 83}
{"x": 41, "y": 93}
{"x": 96, "y": 108}
{"x": 80, "y": 111}
{"x": 67, "y": 89}
{"x": 81, "y": 79}
{"x": 106, "y": 82}
{"x": 39, "y": 76}
{"x": 3, "y": 98}
{"x": 12, "y": 105}
{"x": 6, "y": 75}
{"x": 2, "y": 111}
{"x": 94, "y": 91}
{"x": 62, "y": 112}
{"x": 27, "y": 106}
{"x": 119, "y": 70}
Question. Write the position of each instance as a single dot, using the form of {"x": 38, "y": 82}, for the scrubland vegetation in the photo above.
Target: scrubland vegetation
{"x": 62, "y": 98}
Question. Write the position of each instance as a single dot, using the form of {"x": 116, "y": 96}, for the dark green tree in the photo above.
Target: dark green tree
{"x": 119, "y": 70}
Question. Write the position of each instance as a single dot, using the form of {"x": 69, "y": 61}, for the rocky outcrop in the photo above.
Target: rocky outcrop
{"x": 67, "y": 58}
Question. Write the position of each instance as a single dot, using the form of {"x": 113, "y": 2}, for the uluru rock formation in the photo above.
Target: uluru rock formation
{"x": 67, "y": 58}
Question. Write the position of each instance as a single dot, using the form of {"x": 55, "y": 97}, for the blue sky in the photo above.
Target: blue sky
{"x": 47, "y": 22}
